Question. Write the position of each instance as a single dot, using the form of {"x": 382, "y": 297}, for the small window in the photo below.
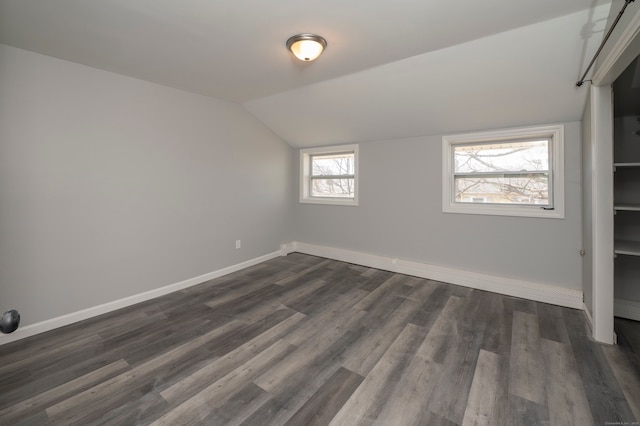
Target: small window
{"x": 329, "y": 175}
{"x": 515, "y": 172}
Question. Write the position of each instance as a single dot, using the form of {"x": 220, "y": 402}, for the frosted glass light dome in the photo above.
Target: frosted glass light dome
{"x": 306, "y": 47}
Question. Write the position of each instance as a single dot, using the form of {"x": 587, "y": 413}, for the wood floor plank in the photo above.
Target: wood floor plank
{"x": 526, "y": 378}
{"x": 604, "y": 394}
{"x": 408, "y": 402}
{"x": 625, "y": 361}
{"x": 303, "y": 274}
{"x": 237, "y": 337}
{"x": 199, "y": 406}
{"x": 213, "y": 371}
{"x": 523, "y": 412}
{"x": 48, "y": 379}
{"x": 484, "y": 397}
{"x": 86, "y": 403}
{"x": 629, "y": 331}
{"x": 442, "y": 329}
{"x": 42, "y": 400}
{"x": 239, "y": 407}
{"x": 293, "y": 293}
{"x": 339, "y": 310}
{"x": 40, "y": 419}
{"x": 374, "y": 278}
{"x": 384, "y": 321}
{"x": 316, "y": 300}
{"x": 344, "y": 277}
{"x": 566, "y": 398}
{"x": 292, "y": 394}
{"x": 457, "y": 358}
{"x": 316, "y": 271}
{"x": 140, "y": 408}
{"x": 551, "y": 323}
{"x": 250, "y": 301}
{"x": 262, "y": 416}
{"x": 172, "y": 334}
{"x": 120, "y": 331}
{"x": 432, "y": 306}
{"x": 499, "y": 314}
{"x": 364, "y": 405}
{"x": 307, "y": 353}
{"x": 326, "y": 402}
{"x": 432, "y": 419}
{"x": 34, "y": 346}
{"x": 380, "y": 293}
{"x": 46, "y": 357}
{"x": 230, "y": 296}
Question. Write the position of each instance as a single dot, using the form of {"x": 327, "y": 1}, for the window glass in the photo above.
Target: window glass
{"x": 332, "y": 165}
{"x": 509, "y": 156}
{"x": 502, "y": 173}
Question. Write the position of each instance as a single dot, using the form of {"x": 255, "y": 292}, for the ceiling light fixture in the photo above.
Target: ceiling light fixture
{"x": 306, "y": 47}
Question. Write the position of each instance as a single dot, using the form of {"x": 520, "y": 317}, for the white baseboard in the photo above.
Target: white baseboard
{"x": 508, "y": 286}
{"x": 587, "y": 315}
{"x": 84, "y": 314}
{"x": 628, "y": 309}
{"x": 512, "y": 287}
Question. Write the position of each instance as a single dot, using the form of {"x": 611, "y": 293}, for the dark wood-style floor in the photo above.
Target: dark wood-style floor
{"x": 301, "y": 340}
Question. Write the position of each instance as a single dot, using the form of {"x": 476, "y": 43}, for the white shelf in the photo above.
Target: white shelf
{"x": 625, "y": 165}
{"x": 631, "y": 248}
{"x": 627, "y": 207}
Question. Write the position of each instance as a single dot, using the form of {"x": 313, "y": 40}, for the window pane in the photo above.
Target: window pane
{"x": 343, "y": 188}
{"x": 500, "y": 157}
{"x": 332, "y": 165}
{"x": 524, "y": 190}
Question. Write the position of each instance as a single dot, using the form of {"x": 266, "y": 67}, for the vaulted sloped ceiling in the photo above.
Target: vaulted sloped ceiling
{"x": 392, "y": 68}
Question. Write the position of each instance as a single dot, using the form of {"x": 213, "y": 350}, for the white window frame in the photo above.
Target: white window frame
{"x": 305, "y": 175}
{"x": 556, "y": 171}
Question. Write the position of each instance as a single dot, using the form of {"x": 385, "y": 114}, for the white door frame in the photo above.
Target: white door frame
{"x": 621, "y": 50}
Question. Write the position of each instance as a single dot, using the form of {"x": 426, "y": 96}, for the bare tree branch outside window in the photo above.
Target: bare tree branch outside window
{"x": 502, "y": 173}
{"x": 333, "y": 175}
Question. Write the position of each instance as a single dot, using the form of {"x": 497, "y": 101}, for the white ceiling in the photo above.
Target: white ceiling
{"x": 392, "y": 69}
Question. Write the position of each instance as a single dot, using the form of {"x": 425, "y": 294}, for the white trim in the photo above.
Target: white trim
{"x": 602, "y": 212}
{"x": 305, "y": 172}
{"x": 84, "y": 314}
{"x": 622, "y": 52}
{"x": 509, "y": 286}
{"x": 629, "y": 309}
{"x": 611, "y": 64}
{"x": 587, "y": 314}
{"x": 556, "y": 168}
{"x": 288, "y": 248}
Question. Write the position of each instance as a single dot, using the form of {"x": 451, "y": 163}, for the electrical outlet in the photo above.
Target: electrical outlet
{"x": 238, "y": 244}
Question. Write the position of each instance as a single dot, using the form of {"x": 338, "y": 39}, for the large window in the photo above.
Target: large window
{"x": 516, "y": 172}
{"x": 329, "y": 175}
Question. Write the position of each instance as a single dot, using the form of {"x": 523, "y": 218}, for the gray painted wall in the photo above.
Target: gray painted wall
{"x": 111, "y": 186}
{"x": 400, "y": 215}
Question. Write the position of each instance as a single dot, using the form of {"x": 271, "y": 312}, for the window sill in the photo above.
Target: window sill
{"x": 330, "y": 201}
{"x": 501, "y": 210}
